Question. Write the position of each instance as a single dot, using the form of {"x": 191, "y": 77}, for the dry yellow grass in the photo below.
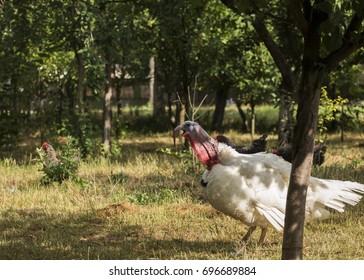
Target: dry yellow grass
{"x": 148, "y": 205}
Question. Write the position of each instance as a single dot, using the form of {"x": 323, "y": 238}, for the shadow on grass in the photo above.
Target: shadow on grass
{"x": 34, "y": 234}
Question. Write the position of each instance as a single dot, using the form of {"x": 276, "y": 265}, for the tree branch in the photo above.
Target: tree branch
{"x": 275, "y": 52}
{"x": 349, "y": 43}
{"x": 265, "y": 36}
{"x": 230, "y": 4}
{"x": 334, "y": 58}
{"x": 294, "y": 6}
{"x": 353, "y": 26}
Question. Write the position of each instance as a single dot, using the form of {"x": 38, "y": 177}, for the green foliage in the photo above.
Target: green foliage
{"x": 346, "y": 78}
{"x": 65, "y": 168}
{"x": 327, "y": 110}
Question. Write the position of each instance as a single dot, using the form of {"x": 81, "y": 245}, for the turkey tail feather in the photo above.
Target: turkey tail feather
{"x": 336, "y": 194}
{"x": 274, "y": 216}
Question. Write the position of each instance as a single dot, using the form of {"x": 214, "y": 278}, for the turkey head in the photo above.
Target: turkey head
{"x": 205, "y": 148}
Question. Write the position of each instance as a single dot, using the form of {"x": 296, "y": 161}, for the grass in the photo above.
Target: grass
{"x": 149, "y": 205}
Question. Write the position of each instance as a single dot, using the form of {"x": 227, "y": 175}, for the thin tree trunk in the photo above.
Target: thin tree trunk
{"x": 81, "y": 118}
{"x": 107, "y": 106}
{"x": 242, "y": 115}
{"x": 80, "y": 81}
{"x": 151, "y": 79}
{"x": 70, "y": 98}
{"x": 118, "y": 106}
{"x": 252, "y": 126}
{"x": 14, "y": 113}
{"x": 222, "y": 95}
{"x": 119, "y": 103}
{"x": 158, "y": 100}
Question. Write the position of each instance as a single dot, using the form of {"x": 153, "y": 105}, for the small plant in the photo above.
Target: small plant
{"x": 61, "y": 167}
{"x": 327, "y": 109}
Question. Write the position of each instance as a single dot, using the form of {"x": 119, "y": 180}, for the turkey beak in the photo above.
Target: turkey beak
{"x": 175, "y": 132}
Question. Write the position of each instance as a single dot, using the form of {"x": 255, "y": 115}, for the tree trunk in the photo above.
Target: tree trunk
{"x": 342, "y": 124}
{"x": 151, "y": 79}
{"x": 117, "y": 84}
{"x": 14, "y": 113}
{"x": 252, "y": 126}
{"x": 80, "y": 81}
{"x": 158, "y": 100}
{"x": 81, "y": 118}
{"x": 302, "y": 147}
{"x": 222, "y": 95}
{"x": 107, "y": 106}
{"x": 303, "y": 143}
{"x": 175, "y": 116}
{"x": 70, "y": 98}
{"x": 242, "y": 115}
{"x": 273, "y": 48}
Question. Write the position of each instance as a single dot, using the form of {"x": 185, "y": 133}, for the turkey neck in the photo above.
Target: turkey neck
{"x": 205, "y": 148}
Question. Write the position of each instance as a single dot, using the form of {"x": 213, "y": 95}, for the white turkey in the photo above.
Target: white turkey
{"x": 252, "y": 188}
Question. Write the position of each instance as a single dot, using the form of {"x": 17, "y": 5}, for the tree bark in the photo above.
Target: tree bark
{"x": 117, "y": 85}
{"x": 80, "y": 108}
{"x": 80, "y": 80}
{"x": 252, "y": 122}
{"x": 222, "y": 95}
{"x": 107, "y": 105}
{"x": 303, "y": 143}
{"x": 302, "y": 153}
{"x": 151, "y": 80}
{"x": 158, "y": 94}
{"x": 284, "y": 67}
{"x": 244, "y": 126}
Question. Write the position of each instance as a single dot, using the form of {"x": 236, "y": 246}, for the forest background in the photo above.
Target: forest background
{"x": 68, "y": 66}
